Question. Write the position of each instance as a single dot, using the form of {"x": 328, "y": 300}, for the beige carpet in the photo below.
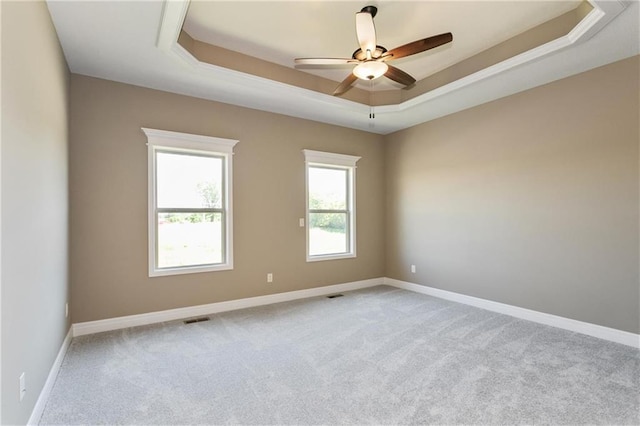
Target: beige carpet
{"x": 374, "y": 356}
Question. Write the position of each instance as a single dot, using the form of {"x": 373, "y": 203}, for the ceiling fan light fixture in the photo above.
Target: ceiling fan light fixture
{"x": 370, "y": 70}
{"x": 371, "y": 58}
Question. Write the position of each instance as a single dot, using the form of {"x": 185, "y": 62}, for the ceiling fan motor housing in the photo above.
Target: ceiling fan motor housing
{"x": 362, "y": 56}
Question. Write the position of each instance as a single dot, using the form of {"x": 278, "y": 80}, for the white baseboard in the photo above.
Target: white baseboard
{"x": 38, "y": 409}
{"x": 594, "y": 330}
{"x": 91, "y": 327}
{"x": 606, "y": 333}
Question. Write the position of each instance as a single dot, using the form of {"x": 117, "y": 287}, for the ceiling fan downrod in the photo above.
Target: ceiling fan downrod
{"x": 371, "y": 10}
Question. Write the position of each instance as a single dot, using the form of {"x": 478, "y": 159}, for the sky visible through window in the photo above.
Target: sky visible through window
{"x": 328, "y": 188}
{"x": 185, "y": 181}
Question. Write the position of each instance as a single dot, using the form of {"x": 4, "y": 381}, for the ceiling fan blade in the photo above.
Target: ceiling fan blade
{"x": 345, "y": 85}
{"x": 325, "y": 61}
{"x": 418, "y": 46}
{"x": 399, "y": 76}
{"x": 366, "y": 32}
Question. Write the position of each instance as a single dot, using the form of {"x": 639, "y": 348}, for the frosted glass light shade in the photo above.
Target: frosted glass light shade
{"x": 370, "y": 70}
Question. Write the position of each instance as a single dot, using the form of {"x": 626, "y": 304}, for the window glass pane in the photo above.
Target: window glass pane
{"x": 327, "y": 188}
{"x": 327, "y": 233}
{"x": 186, "y": 239}
{"x": 184, "y": 181}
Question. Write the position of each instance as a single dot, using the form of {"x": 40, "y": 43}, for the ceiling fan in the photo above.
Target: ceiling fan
{"x": 371, "y": 59}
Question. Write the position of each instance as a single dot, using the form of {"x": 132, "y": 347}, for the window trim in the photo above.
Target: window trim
{"x": 333, "y": 161}
{"x": 167, "y": 141}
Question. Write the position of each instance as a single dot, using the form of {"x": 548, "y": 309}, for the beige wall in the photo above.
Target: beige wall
{"x": 531, "y": 200}
{"x": 108, "y": 184}
{"x": 33, "y": 187}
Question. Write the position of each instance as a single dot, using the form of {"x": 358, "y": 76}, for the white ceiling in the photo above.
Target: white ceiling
{"x": 280, "y": 31}
{"x": 120, "y": 41}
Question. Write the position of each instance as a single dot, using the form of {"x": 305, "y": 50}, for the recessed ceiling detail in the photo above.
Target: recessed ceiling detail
{"x": 523, "y": 42}
{"x": 280, "y": 31}
{"x": 143, "y": 43}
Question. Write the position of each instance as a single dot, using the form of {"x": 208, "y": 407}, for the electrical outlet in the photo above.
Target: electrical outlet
{"x": 413, "y": 269}
{"x": 301, "y": 222}
{"x": 269, "y": 277}
{"x": 23, "y": 386}
{"x": 66, "y": 310}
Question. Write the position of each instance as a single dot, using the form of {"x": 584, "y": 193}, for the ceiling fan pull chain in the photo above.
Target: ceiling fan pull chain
{"x": 372, "y": 113}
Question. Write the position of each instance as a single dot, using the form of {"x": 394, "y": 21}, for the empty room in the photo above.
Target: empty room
{"x": 320, "y": 212}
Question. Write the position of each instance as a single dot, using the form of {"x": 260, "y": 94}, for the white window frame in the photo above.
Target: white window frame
{"x": 335, "y": 161}
{"x": 167, "y": 141}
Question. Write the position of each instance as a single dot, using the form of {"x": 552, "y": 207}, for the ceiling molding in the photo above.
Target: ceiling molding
{"x": 173, "y": 16}
{"x": 587, "y": 28}
{"x": 603, "y": 12}
{"x": 262, "y": 93}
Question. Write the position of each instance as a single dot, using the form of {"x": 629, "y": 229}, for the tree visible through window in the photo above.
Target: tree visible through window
{"x": 189, "y": 203}
{"x": 190, "y": 213}
{"x": 330, "y": 205}
{"x": 328, "y": 211}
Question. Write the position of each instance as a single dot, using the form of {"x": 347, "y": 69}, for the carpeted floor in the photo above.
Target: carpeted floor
{"x": 375, "y": 356}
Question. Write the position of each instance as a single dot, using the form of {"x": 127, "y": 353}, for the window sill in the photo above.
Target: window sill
{"x": 322, "y": 257}
{"x": 189, "y": 270}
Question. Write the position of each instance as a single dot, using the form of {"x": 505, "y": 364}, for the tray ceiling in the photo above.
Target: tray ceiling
{"x": 280, "y": 31}
{"x": 137, "y": 43}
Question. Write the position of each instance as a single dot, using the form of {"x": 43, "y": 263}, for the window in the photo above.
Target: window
{"x": 190, "y": 221}
{"x": 331, "y": 219}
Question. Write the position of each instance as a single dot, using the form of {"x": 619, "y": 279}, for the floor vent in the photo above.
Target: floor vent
{"x": 191, "y": 321}
{"x": 333, "y": 296}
